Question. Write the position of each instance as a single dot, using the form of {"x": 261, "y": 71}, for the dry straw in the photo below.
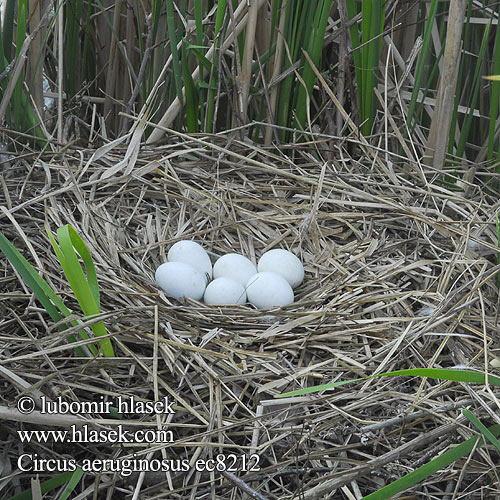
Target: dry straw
{"x": 391, "y": 283}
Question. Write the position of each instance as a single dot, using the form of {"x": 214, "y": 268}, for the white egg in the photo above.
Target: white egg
{"x": 266, "y": 290}
{"x": 225, "y": 291}
{"x": 178, "y": 280}
{"x": 234, "y": 266}
{"x": 285, "y": 264}
{"x": 191, "y": 253}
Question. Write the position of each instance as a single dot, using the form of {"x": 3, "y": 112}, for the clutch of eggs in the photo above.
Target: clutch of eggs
{"x": 236, "y": 279}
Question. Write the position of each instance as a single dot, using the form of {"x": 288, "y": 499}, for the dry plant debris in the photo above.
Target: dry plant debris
{"x": 391, "y": 283}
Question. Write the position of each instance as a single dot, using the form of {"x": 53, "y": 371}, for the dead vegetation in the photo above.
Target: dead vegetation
{"x": 393, "y": 280}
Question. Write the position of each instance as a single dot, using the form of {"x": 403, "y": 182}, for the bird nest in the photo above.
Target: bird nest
{"x": 400, "y": 272}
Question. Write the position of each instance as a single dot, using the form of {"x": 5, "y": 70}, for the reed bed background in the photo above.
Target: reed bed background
{"x": 359, "y": 135}
{"x": 75, "y": 71}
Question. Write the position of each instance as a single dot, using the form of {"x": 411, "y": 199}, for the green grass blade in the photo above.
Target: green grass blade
{"x": 466, "y": 128}
{"x": 314, "y": 49}
{"x": 45, "y": 295}
{"x": 46, "y": 486}
{"x": 211, "y": 92}
{"x": 30, "y": 276}
{"x": 69, "y": 239}
{"x": 20, "y": 114}
{"x": 285, "y": 90}
{"x": 427, "y": 470}
{"x": 86, "y": 289}
{"x": 303, "y": 29}
{"x": 156, "y": 14}
{"x": 219, "y": 19}
{"x": 488, "y": 435}
{"x": 318, "y": 388}
{"x": 198, "y": 18}
{"x": 422, "y": 58}
{"x": 72, "y": 484}
{"x": 376, "y": 28}
{"x": 213, "y": 70}
{"x": 192, "y": 101}
{"x": 8, "y": 28}
{"x": 468, "y": 376}
{"x": 202, "y": 60}
{"x": 175, "y": 53}
{"x": 366, "y": 55}
{"x": 352, "y": 12}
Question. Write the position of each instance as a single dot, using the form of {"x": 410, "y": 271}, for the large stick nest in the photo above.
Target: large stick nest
{"x": 400, "y": 273}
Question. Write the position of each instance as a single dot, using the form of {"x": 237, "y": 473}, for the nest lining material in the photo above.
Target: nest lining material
{"x": 391, "y": 282}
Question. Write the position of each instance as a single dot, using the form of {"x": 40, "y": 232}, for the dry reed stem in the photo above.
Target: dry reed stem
{"x": 443, "y": 111}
